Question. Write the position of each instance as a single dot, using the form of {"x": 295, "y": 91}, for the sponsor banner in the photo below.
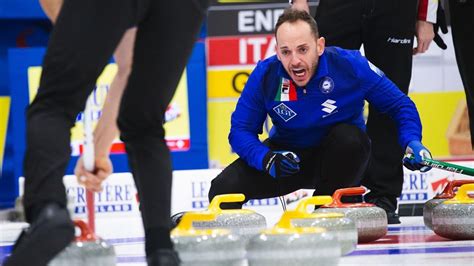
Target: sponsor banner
{"x": 239, "y": 50}
{"x": 218, "y": 117}
{"x": 219, "y": 114}
{"x": 419, "y": 187}
{"x": 445, "y": 123}
{"x": 117, "y": 199}
{"x": 176, "y": 116}
{"x": 226, "y": 83}
{"x": 243, "y": 19}
{"x": 189, "y": 193}
{"x": 4, "y": 112}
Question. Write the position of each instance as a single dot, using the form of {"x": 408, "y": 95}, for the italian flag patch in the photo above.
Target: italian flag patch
{"x": 286, "y": 92}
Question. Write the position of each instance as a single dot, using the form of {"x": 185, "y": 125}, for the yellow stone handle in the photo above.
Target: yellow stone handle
{"x": 312, "y": 201}
{"x": 285, "y": 220}
{"x": 300, "y": 212}
{"x": 462, "y": 195}
{"x": 215, "y": 205}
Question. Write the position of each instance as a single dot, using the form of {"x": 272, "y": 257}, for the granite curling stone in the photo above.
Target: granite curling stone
{"x": 243, "y": 222}
{"x": 448, "y": 193}
{"x": 370, "y": 220}
{"x": 285, "y": 245}
{"x": 206, "y": 247}
{"x": 87, "y": 249}
{"x": 454, "y": 218}
{"x": 344, "y": 229}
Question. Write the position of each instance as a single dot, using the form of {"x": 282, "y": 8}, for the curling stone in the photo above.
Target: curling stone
{"x": 370, "y": 220}
{"x": 448, "y": 193}
{"x": 245, "y": 223}
{"x": 285, "y": 245}
{"x": 206, "y": 247}
{"x": 454, "y": 218}
{"x": 344, "y": 229}
{"x": 87, "y": 249}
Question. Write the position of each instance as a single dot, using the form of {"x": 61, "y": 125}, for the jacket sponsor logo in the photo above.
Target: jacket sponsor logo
{"x": 284, "y": 112}
{"x": 329, "y": 107}
{"x": 327, "y": 85}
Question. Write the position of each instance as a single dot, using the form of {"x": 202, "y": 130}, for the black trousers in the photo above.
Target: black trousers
{"x": 462, "y": 27}
{"x": 386, "y": 29}
{"x": 338, "y": 162}
{"x": 81, "y": 44}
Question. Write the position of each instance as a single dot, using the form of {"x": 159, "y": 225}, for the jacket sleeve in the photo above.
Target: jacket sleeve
{"x": 247, "y": 121}
{"x": 427, "y": 10}
{"x": 387, "y": 98}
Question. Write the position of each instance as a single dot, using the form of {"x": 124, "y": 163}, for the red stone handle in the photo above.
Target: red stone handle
{"x": 86, "y": 232}
{"x": 352, "y": 191}
{"x": 448, "y": 192}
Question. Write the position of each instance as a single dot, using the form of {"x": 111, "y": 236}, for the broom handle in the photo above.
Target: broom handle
{"x": 88, "y": 159}
{"x": 459, "y": 169}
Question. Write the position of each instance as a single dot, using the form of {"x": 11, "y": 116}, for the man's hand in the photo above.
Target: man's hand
{"x": 424, "y": 36}
{"x": 93, "y": 181}
{"x": 419, "y": 153}
{"x": 281, "y": 163}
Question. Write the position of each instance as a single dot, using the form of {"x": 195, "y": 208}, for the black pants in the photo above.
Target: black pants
{"x": 339, "y": 162}
{"x": 81, "y": 44}
{"x": 386, "y": 29}
{"x": 462, "y": 26}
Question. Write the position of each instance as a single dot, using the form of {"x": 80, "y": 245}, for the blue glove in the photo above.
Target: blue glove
{"x": 281, "y": 163}
{"x": 419, "y": 153}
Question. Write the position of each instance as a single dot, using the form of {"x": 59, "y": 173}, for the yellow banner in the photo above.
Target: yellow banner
{"x": 177, "y": 114}
{"x": 445, "y": 122}
{"x": 4, "y": 113}
{"x": 226, "y": 83}
{"x": 219, "y": 114}
{"x": 220, "y": 152}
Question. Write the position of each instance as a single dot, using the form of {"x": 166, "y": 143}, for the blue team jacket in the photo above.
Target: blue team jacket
{"x": 302, "y": 116}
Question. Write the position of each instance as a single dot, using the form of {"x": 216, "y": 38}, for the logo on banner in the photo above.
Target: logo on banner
{"x": 199, "y": 196}
{"x": 262, "y": 202}
{"x": 415, "y": 187}
{"x": 286, "y": 91}
{"x": 284, "y": 112}
{"x": 112, "y": 199}
{"x": 439, "y": 185}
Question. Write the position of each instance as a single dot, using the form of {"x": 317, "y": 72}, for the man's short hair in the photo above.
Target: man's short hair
{"x": 292, "y": 15}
